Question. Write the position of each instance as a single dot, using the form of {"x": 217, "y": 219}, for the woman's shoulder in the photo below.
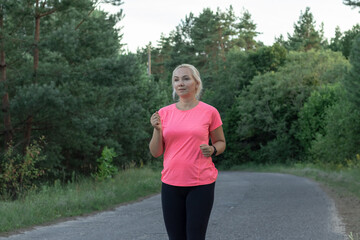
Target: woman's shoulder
{"x": 167, "y": 108}
{"x": 207, "y": 107}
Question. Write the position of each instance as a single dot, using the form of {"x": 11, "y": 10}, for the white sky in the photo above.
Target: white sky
{"x": 145, "y": 20}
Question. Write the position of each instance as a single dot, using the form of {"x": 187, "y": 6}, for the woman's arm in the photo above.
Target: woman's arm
{"x": 217, "y": 140}
{"x": 156, "y": 144}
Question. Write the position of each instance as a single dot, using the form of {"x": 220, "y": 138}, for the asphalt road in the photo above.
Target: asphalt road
{"x": 248, "y": 206}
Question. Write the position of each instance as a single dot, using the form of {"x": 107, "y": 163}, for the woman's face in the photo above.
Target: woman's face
{"x": 184, "y": 83}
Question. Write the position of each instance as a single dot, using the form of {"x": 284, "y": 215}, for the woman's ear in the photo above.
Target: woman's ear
{"x": 197, "y": 84}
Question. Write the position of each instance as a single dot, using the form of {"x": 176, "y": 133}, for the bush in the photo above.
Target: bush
{"x": 341, "y": 140}
{"x": 312, "y": 116}
{"x": 263, "y": 121}
{"x": 106, "y": 169}
{"x": 18, "y": 172}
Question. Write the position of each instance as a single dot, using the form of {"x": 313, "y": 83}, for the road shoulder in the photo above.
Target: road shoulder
{"x": 348, "y": 207}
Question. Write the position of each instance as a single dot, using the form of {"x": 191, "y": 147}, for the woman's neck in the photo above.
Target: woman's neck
{"x": 187, "y": 103}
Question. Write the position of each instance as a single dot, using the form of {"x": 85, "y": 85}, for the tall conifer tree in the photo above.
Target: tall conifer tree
{"x": 305, "y": 36}
{"x": 352, "y": 81}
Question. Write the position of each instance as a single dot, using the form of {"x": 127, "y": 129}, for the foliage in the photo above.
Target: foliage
{"x": 348, "y": 40}
{"x": 94, "y": 38}
{"x": 110, "y": 117}
{"x": 85, "y": 93}
{"x": 312, "y": 116}
{"x": 106, "y": 169}
{"x": 267, "y": 59}
{"x": 335, "y": 42}
{"x": 340, "y": 143}
{"x": 203, "y": 41}
{"x": 238, "y": 71}
{"x": 305, "y": 36}
{"x": 352, "y": 80}
{"x": 341, "y": 140}
{"x": 353, "y": 3}
{"x": 57, "y": 201}
{"x": 247, "y": 32}
{"x": 18, "y": 172}
{"x": 343, "y": 42}
{"x": 266, "y": 112}
{"x": 354, "y": 236}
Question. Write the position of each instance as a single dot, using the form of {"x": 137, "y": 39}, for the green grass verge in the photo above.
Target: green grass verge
{"x": 56, "y": 202}
{"x": 354, "y": 236}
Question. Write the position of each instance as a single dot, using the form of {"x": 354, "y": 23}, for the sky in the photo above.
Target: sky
{"x": 146, "y": 20}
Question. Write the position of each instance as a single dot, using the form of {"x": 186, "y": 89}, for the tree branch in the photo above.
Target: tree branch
{"x": 82, "y": 21}
{"x": 47, "y": 13}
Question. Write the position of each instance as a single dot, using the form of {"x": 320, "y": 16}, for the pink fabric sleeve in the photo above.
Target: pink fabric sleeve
{"x": 215, "y": 121}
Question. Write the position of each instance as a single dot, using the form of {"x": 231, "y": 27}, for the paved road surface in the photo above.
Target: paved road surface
{"x": 248, "y": 206}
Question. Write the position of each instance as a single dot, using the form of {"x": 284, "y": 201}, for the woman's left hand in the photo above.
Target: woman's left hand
{"x": 206, "y": 150}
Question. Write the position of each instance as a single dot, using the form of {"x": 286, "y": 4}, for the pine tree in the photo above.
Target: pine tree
{"x": 13, "y": 27}
{"x": 305, "y": 36}
{"x": 348, "y": 39}
{"x": 353, "y": 3}
{"x": 8, "y": 131}
{"x": 352, "y": 81}
{"x": 335, "y": 43}
{"x": 247, "y": 32}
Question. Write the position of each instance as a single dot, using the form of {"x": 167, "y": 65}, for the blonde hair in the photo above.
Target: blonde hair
{"x": 196, "y": 76}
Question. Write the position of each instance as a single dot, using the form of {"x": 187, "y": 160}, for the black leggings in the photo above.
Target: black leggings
{"x": 187, "y": 210}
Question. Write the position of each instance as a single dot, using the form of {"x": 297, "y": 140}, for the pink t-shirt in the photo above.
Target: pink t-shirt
{"x": 183, "y": 133}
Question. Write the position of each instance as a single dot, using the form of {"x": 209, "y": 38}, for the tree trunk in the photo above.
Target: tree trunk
{"x": 38, "y": 16}
{"x": 222, "y": 46}
{"x": 29, "y": 120}
{"x": 36, "y": 45}
{"x": 8, "y": 132}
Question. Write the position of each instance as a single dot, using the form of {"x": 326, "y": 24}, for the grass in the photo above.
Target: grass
{"x": 86, "y": 196}
{"x": 354, "y": 237}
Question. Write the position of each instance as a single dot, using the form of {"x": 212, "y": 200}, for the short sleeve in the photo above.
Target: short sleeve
{"x": 162, "y": 115}
{"x": 215, "y": 120}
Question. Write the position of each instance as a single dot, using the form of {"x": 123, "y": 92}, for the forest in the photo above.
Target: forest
{"x": 72, "y": 96}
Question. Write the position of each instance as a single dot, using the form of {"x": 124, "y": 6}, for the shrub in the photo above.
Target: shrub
{"x": 106, "y": 169}
{"x": 18, "y": 171}
{"x": 311, "y": 117}
{"x": 341, "y": 139}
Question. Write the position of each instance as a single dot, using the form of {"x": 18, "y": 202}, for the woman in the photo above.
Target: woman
{"x": 181, "y": 132}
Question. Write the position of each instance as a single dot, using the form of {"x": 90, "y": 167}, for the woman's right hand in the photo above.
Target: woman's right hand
{"x": 156, "y": 121}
